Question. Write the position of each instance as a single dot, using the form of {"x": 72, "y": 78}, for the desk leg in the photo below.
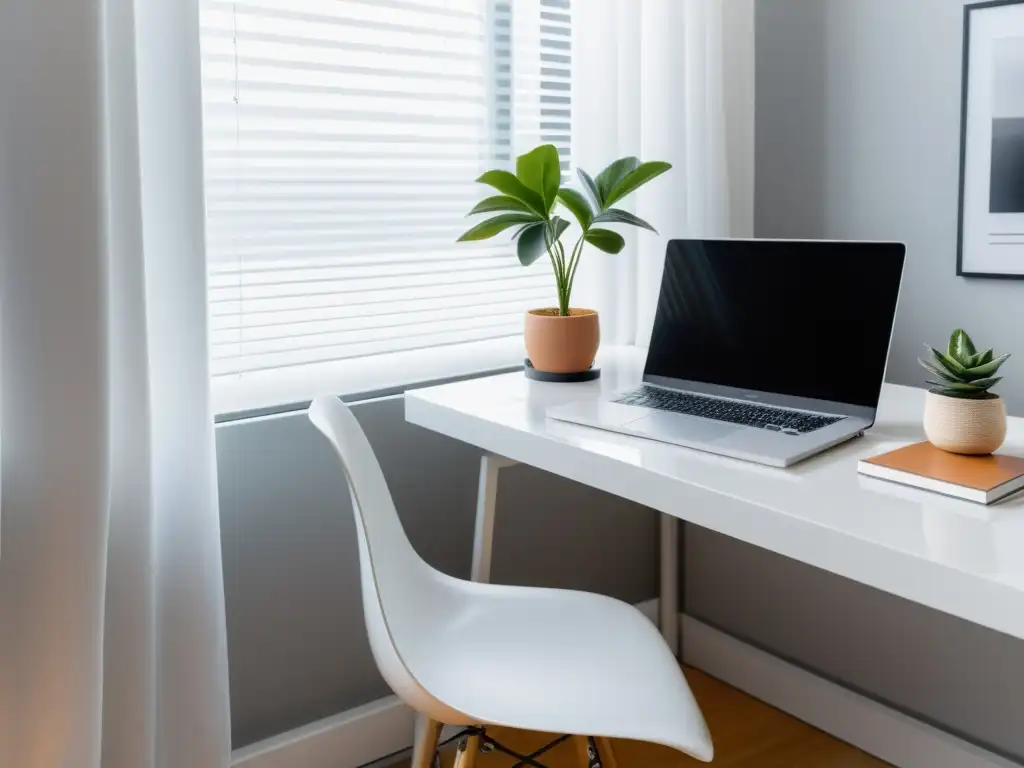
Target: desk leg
{"x": 669, "y": 599}
{"x": 486, "y": 503}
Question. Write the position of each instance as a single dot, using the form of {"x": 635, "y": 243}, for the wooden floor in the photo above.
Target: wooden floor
{"x": 747, "y": 734}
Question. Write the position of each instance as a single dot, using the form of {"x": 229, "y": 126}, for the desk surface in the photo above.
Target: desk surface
{"x": 961, "y": 558}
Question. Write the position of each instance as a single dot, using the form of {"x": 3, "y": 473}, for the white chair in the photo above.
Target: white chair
{"x": 469, "y": 654}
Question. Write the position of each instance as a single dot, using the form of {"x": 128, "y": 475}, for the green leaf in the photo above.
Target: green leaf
{"x": 981, "y": 358}
{"x": 591, "y": 187}
{"x": 508, "y": 184}
{"x": 612, "y": 175}
{"x": 947, "y": 362}
{"x": 961, "y": 347}
{"x": 986, "y": 383}
{"x": 982, "y": 371}
{"x": 634, "y": 180}
{"x": 618, "y": 216}
{"x": 523, "y": 228}
{"x": 541, "y": 171}
{"x": 530, "y": 245}
{"x": 500, "y": 203}
{"x": 578, "y": 206}
{"x": 605, "y": 240}
{"x": 496, "y": 225}
{"x": 940, "y": 390}
{"x": 533, "y": 243}
{"x": 963, "y": 387}
{"x": 560, "y": 225}
{"x": 950, "y": 391}
{"x": 937, "y": 371}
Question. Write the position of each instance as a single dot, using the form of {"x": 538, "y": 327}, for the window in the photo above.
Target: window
{"x": 341, "y": 141}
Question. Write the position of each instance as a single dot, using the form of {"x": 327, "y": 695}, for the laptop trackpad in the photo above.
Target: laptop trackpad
{"x": 676, "y": 426}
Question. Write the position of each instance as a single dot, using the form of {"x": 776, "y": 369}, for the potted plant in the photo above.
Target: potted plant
{"x": 961, "y": 415}
{"x": 561, "y": 339}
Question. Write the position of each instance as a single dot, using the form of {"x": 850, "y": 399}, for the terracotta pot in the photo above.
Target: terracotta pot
{"x": 557, "y": 344}
{"x": 959, "y": 425}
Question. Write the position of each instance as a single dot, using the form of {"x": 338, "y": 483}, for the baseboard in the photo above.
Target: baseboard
{"x": 348, "y": 740}
{"x": 873, "y": 727}
{"x": 368, "y": 733}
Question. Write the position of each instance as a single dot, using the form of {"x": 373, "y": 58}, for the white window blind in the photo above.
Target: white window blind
{"x": 342, "y": 139}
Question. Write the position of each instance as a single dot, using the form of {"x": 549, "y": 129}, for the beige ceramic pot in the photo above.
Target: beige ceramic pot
{"x": 959, "y": 425}
{"x": 557, "y": 344}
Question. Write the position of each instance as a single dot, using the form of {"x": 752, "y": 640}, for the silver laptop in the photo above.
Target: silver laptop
{"x": 765, "y": 350}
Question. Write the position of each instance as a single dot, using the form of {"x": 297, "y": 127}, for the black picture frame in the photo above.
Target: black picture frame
{"x": 969, "y": 10}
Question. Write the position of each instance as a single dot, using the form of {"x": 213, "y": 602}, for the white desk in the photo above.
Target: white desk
{"x": 964, "y": 559}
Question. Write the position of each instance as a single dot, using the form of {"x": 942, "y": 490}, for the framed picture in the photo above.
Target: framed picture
{"x": 992, "y": 142}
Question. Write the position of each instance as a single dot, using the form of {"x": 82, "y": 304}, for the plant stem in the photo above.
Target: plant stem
{"x": 563, "y": 283}
{"x": 549, "y": 243}
{"x": 574, "y": 262}
{"x": 556, "y": 252}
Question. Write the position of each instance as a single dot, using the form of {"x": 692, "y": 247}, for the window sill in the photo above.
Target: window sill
{"x": 265, "y": 393}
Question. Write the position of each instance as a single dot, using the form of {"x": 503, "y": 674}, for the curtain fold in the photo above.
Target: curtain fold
{"x": 663, "y": 80}
{"x": 112, "y": 635}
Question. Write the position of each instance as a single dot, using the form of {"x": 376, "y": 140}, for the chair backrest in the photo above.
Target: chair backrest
{"x": 402, "y": 595}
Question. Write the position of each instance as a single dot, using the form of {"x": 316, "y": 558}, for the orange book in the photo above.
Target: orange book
{"x": 983, "y": 479}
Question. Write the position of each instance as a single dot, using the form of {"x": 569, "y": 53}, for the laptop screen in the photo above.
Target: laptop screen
{"x": 801, "y": 318}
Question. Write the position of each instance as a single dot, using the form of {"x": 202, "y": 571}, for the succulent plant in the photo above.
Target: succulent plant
{"x": 962, "y": 371}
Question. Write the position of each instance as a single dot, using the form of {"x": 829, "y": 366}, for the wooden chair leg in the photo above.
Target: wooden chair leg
{"x": 582, "y": 751}
{"x": 424, "y": 743}
{"x": 466, "y": 758}
{"x": 606, "y": 753}
{"x": 604, "y": 756}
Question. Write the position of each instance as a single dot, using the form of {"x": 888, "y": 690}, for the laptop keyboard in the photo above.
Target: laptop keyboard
{"x": 732, "y": 411}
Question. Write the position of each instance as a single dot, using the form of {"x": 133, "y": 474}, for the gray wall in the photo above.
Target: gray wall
{"x": 858, "y": 137}
{"x": 297, "y": 645}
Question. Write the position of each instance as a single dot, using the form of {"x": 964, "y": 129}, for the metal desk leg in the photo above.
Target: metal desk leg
{"x": 486, "y": 503}
{"x": 669, "y": 600}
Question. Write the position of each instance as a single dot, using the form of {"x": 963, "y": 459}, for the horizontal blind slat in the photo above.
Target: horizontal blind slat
{"x": 221, "y": 85}
{"x": 326, "y": 21}
{"x": 466, "y": 9}
{"x": 268, "y": 115}
{"x": 225, "y": 367}
{"x": 341, "y": 317}
{"x": 371, "y": 272}
{"x": 284, "y": 272}
{"x": 241, "y": 343}
{"x": 383, "y": 71}
{"x": 304, "y": 43}
{"x": 445, "y": 295}
{"x": 366, "y": 286}
{"x": 541, "y": 289}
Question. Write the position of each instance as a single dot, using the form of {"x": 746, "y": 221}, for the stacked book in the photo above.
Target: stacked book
{"x": 982, "y": 479}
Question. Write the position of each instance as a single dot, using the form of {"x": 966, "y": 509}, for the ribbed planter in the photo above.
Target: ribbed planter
{"x": 557, "y": 344}
{"x": 960, "y": 425}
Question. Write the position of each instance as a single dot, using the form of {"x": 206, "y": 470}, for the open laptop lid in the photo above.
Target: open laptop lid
{"x": 804, "y": 324}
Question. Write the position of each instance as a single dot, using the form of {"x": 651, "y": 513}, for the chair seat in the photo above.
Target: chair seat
{"x": 559, "y": 661}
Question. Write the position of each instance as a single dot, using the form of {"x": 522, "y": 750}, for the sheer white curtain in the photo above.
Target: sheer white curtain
{"x": 112, "y": 636}
{"x": 663, "y": 80}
